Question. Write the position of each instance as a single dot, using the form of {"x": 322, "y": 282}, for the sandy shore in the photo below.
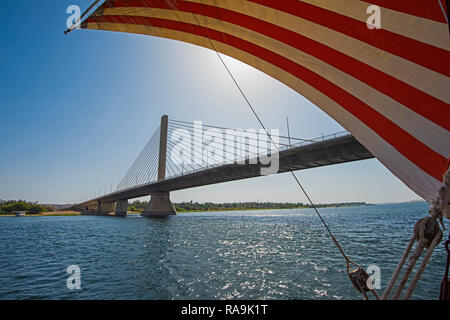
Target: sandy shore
{"x": 64, "y": 213}
{"x": 54, "y": 213}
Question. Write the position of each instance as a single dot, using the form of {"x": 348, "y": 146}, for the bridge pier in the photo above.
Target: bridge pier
{"x": 159, "y": 206}
{"x": 97, "y": 208}
{"x": 92, "y": 207}
{"x": 120, "y": 208}
{"x": 104, "y": 207}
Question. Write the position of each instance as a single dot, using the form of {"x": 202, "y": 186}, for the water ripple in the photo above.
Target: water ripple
{"x": 284, "y": 254}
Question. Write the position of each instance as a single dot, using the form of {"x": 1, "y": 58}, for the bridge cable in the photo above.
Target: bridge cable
{"x": 237, "y": 157}
{"x": 287, "y": 144}
{"x": 153, "y": 172}
{"x": 170, "y": 162}
{"x": 355, "y": 276}
{"x": 137, "y": 164}
{"x": 140, "y": 171}
{"x": 149, "y": 161}
{"x": 223, "y": 128}
{"x": 191, "y": 130}
{"x": 193, "y": 169}
{"x": 235, "y": 147}
{"x": 141, "y": 160}
{"x": 239, "y": 146}
{"x": 200, "y": 157}
{"x": 195, "y": 156}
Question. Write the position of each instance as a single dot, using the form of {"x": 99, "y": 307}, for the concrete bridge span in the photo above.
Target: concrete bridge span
{"x": 338, "y": 149}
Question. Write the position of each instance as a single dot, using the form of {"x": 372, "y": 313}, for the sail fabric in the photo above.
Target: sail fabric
{"x": 389, "y": 87}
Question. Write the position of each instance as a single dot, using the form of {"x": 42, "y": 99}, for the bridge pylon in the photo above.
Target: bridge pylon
{"x": 120, "y": 208}
{"x": 160, "y": 205}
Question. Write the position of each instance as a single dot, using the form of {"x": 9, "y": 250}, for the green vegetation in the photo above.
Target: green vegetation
{"x": 138, "y": 206}
{"x": 12, "y": 206}
{"x": 58, "y": 214}
{"x": 9, "y": 207}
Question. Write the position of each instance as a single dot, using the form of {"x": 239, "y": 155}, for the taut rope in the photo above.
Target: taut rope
{"x": 445, "y": 285}
{"x": 81, "y": 17}
{"x": 428, "y": 234}
{"x": 358, "y": 276}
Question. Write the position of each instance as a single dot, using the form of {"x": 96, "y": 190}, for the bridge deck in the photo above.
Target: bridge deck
{"x": 328, "y": 152}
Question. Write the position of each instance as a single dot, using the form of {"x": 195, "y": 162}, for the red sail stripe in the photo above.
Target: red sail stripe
{"x": 431, "y": 57}
{"x": 428, "y": 9}
{"x": 420, "y": 102}
{"x": 417, "y": 152}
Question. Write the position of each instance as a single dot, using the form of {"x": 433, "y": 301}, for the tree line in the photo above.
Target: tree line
{"x": 138, "y": 206}
{"x": 11, "y": 206}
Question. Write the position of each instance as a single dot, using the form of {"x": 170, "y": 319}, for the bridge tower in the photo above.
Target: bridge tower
{"x": 160, "y": 204}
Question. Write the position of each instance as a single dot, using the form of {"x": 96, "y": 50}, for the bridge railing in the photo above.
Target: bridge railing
{"x": 281, "y": 147}
{"x": 249, "y": 155}
{"x": 319, "y": 139}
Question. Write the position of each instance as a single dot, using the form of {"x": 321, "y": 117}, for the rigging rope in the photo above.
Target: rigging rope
{"x": 81, "y": 17}
{"x": 358, "y": 277}
{"x": 443, "y": 10}
{"x": 428, "y": 234}
{"x": 445, "y": 285}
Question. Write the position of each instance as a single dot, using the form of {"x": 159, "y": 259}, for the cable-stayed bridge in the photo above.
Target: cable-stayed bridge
{"x": 182, "y": 155}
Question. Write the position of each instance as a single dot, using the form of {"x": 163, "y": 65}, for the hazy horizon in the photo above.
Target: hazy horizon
{"x": 81, "y": 107}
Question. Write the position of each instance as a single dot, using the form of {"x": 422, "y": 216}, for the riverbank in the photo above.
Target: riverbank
{"x": 243, "y": 206}
{"x": 240, "y": 209}
{"x": 77, "y": 213}
{"x": 45, "y": 214}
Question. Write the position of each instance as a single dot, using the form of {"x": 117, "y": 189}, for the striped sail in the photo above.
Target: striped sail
{"x": 389, "y": 87}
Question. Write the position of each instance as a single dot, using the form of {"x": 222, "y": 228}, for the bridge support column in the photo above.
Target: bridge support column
{"x": 105, "y": 207}
{"x": 120, "y": 209}
{"x": 90, "y": 208}
{"x": 160, "y": 206}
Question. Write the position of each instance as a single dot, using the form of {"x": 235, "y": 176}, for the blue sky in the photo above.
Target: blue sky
{"x": 77, "y": 109}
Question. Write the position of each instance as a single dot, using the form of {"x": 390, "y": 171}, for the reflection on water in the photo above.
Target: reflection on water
{"x": 273, "y": 254}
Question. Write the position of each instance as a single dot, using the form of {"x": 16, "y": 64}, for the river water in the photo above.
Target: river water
{"x": 270, "y": 254}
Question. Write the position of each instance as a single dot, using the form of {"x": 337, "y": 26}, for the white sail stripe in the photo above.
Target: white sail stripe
{"x": 424, "y": 30}
{"x": 421, "y": 128}
{"x": 422, "y": 78}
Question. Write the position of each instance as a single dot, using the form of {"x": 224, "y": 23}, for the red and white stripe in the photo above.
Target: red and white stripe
{"x": 389, "y": 87}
